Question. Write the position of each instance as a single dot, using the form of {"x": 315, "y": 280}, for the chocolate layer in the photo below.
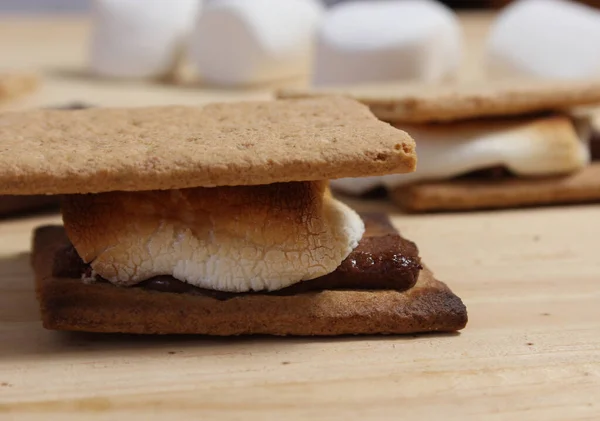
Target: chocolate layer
{"x": 382, "y": 260}
{"x": 11, "y": 205}
{"x": 74, "y": 105}
{"x": 595, "y": 145}
{"x": 492, "y": 173}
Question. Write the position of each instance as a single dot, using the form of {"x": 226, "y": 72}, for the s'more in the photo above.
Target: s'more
{"x": 487, "y": 145}
{"x": 219, "y": 220}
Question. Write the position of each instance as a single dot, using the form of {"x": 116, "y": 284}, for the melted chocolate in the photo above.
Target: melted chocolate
{"x": 379, "y": 192}
{"x": 75, "y": 105}
{"x": 11, "y": 205}
{"x": 492, "y": 173}
{"x": 382, "y": 260}
{"x": 595, "y": 145}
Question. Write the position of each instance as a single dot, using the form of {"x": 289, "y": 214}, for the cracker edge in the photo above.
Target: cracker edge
{"x": 461, "y": 195}
{"x": 403, "y": 103}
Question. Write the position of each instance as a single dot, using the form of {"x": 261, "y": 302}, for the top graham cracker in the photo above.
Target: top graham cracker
{"x": 159, "y": 148}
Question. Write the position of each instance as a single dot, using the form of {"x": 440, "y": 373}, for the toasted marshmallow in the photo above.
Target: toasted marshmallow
{"x": 368, "y": 41}
{"x": 243, "y": 42}
{"x": 224, "y": 238}
{"x": 139, "y": 38}
{"x": 545, "y": 38}
{"x": 546, "y": 146}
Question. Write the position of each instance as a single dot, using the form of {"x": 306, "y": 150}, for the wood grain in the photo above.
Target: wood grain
{"x": 530, "y": 351}
{"x": 530, "y": 279}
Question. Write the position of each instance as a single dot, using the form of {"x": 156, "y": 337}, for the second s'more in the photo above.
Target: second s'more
{"x": 219, "y": 220}
{"x": 482, "y": 146}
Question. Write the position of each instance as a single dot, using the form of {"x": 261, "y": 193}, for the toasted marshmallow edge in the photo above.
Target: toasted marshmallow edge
{"x": 544, "y": 146}
{"x": 233, "y": 239}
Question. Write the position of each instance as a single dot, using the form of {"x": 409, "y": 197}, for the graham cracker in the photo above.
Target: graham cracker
{"x": 69, "y": 304}
{"x": 471, "y": 194}
{"x": 420, "y": 103}
{"x": 155, "y": 148}
{"x": 19, "y": 205}
{"x": 14, "y": 85}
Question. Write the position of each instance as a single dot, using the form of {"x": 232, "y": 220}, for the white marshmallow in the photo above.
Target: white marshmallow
{"x": 545, "y": 38}
{"x": 139, "y": 38}
{"x": 238, "y": 239}
{"x": 546, "y": 146}
{"x": 365, "y": 41}
{"x": 243, "y": 42}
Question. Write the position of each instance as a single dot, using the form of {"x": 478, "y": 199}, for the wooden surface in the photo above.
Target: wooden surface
{"x": 530, "y": 279}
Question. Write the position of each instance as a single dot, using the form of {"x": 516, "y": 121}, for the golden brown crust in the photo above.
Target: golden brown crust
{"x": 95, "y": 222}
{"x": 470, "y": 194}
{"x": 528, "y": 146}
{"x": 162, "y": 148}
{"x": 416, "y": 103}
{"x": 69, "y": 304}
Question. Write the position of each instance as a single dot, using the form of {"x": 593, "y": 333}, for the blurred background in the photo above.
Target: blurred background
{"x": 82, "y": 6}
{"x": 136, "y": 52}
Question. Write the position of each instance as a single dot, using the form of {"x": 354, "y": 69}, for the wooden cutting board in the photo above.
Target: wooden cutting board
{"x": 530, "y": 279}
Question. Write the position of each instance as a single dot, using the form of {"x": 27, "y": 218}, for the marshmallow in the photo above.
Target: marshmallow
{"x": 237, "y": 239}
{"x": 547, "y": 146}
{"x": 243, "y": 42}
{"x": 139, "y": 38}
{"x": 366, "y": 41}
{"x": 545, "y": 38}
